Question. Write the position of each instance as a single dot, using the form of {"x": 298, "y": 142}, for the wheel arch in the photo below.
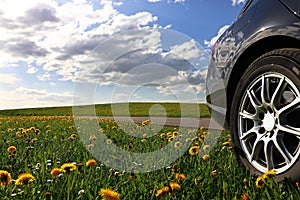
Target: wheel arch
{"x": 248, "y": 56}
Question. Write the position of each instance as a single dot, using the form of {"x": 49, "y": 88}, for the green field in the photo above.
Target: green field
{"x": 119, "y": 109}
{"x": 43, "y": 144}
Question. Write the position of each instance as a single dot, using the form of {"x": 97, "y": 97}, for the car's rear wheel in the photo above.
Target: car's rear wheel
{"x": 265, "y": 115}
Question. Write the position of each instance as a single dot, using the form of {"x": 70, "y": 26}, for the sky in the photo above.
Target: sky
{"x": 74, "y": 52}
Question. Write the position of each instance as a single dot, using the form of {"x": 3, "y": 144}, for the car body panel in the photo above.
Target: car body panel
{"x": 251, "y": 27}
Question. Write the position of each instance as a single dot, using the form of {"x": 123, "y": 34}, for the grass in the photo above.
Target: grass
{"x": 47, "y": 142}
{"x": 119, "y": 109}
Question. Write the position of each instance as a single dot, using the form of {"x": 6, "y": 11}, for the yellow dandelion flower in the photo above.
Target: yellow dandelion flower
{"x": 174, "y": 186}
{"x": 162, "y": 135}
{"x": 101, "y": 130}
{"x": 175, "y": 133}
{"x": 146, "y": 122}
{"x": 90, "y": 146}
{"x": 5, "y": 178}
{"x": 177, "y": 144}
{"x": 38, "y": 131}
{"x": 169, "y": 134}
{"x": 33, "y": 140}
{"x": 25, "y": 179}
{"x": 71, "y": 127}
{"x": 227, "y": 143}
{"x": 109, "y": 194}
{"x": 93, "y": 138}
{"x": 143, "y": 140}
{"x": 205, "y": 157}
{"x": 162, "y": 191}
{"x": 91, "y": 162}
{"x": 206, "y": 147}
{"x": 12, "y": 155}
{"x": 108, "y": 141}
{"x": 245, "y": 180}
{"x": 269, "y": 173}
{"x": 244, "y": 197}
{"x": 171, "y": 139}
{"x": 22, "y": 130}
{"x": 159, "y": 192}
{"x": 11, "y": 149}
{"x": 165, "y": 189}
{"x": 194, "y": 150}
{"x": 68, "y": 167}
{"x": 55, "y": 172}
{"x": 196, "y": 138}
{"x": 180, "y": 177}
{"x": 260, "y": 182}
{"x": 73, "y": 136}
{"x": 47, "y": 194}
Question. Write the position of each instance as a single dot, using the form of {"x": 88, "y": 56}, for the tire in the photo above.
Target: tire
{"x": 265, "y": 115}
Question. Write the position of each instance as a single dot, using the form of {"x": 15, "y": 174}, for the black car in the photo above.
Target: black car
{"x": 256, "y": 62}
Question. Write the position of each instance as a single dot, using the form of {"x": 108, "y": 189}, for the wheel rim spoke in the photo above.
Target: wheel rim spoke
{"x": 247, "y": 115}
{"x": 256, "y": 150}
{"x": 283, "y": 151}
{"x": 268, "y": 150}
{"x": 289, "y": 107}
{"x": 253, "y": 98}
{"x": 278, "y": 92}
{"x": 263, "y": 90}
{"x": 252, "y": 131}
{"x": 289, "y": 129}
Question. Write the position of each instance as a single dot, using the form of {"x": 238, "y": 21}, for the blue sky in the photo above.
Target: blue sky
{"x": 45, "y": 46}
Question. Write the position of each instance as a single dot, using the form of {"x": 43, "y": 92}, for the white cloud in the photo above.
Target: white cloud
{"x": 57, "y": 36}
{"x": 31, "y": 69}
{"x": 154, "y": 1}
{"x": 44, "y": 77}
{"x": 210, "y": 43}
{"x": 236, "y": 2}
{"x": 118, "y": 3}
{"x": 8, "y": 79}
{"x": 187, "y": 50}
{"x": 33, "y": 97}
{"x": 168, "y": 1}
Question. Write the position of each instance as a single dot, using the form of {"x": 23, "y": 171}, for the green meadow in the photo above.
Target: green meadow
{"x": 60, "y": 159}
{"x": 117, "y": 109}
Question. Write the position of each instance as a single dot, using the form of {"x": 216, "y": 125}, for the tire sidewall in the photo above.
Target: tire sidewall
{"x": 268, "y": 64}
